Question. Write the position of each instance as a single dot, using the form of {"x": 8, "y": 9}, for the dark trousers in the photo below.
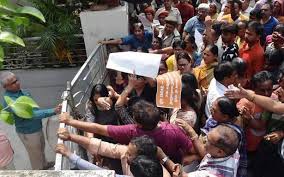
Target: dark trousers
{"x": 266, "y": 162}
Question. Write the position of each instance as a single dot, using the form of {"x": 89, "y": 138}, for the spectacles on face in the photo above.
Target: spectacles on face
{"x": 183, "y": 65}
{"x": 14, "y": 82}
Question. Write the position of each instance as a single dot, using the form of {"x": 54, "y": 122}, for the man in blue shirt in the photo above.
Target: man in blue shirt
{"x": 269, "y": 22}
{"x": 139, "y": 40}
{"x": 196, "y": 22}
{"x": 28, "y": 130}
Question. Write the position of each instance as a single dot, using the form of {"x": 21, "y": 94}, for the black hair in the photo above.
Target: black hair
{"x": 256, "y": 27}
{"x": 217, "y": 28}
{"x": 176, "y": 44}
{"x": 240, "y": 66}
{"x": 189, "y": 79}
{"x": 223, "y": 70}
{"x": 145, "y": 145}
{"x": 280, "y": 29}
{"x": 164, "y": 63}
{"x": 183, "y": 55}
{"x": 275, "y": 58}
{"x": 243, "y": 22}
{"x": 213, "y": 49}
{"x": 132, "y": 100}
{"x": 191, "y": 40}
{"x": 145, "y": 114}
{"x": 228, "y": 107}
{"x": 238, "y": 2}
{"x": 259, "y": 30}
{"x": 143, "y": 166}
{"x": 138, "y": 25}
{"x": 190, "y": 96}
{"x": 281, "y": 74}
{"x": 260, "y": 77}
{"x": 229, "y": 28}
{"x": 269, "y": 4}
{"x": 98, "y": 89}
{"x": 255, "y": 12}
{"x": 159, "y": 41}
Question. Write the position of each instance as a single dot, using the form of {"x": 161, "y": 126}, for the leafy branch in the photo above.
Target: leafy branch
{"x": 12, "y": 18}
{"x": 22, "y": 107}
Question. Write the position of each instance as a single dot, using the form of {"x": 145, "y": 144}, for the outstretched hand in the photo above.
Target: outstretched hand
{"x": 238, "y": 93}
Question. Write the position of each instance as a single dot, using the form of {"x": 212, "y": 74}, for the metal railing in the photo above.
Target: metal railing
{"x": 77, "y": 93}
{"x": 32, "y": 56}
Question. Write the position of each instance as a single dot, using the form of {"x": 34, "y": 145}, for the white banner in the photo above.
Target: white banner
{"x": 144, "y": 64}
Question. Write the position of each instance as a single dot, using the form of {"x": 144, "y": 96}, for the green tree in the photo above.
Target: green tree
{"x": 12, "y": 19}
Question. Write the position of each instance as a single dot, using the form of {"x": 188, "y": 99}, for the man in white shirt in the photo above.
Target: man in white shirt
{"x": 224, "y": 76}
{"x": 246, "y": 7}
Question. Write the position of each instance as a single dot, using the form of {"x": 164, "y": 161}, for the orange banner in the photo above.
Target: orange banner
{"x": 169, "y": 90}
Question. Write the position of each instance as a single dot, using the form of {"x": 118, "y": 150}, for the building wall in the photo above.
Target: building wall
{"x": 106, "y": 24}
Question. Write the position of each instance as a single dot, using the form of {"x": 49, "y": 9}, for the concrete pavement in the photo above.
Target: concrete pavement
{"x": 46, "y": 87}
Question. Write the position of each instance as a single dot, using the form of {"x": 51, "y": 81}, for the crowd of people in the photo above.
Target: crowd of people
{"x": 230, "y": 55}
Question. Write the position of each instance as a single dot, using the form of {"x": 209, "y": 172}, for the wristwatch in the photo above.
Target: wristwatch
{"x": 164, "y": 160}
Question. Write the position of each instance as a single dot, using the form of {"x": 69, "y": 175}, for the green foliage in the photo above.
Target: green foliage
{"x": 31, "y": 11}
{"x": 22, "y": 107}
{"x": 7, "y": 37}
{"x": 22, "y": 110}
{"x": 57, "y": 35}
{"x": 13, "y": 21}
{"x": 7, "y": 117}
{"x": 1, "y": 54}
{"x": 27, "y": 100}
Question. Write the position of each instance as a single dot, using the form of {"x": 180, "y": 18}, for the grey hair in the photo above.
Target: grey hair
{"x": 228, "y": 140}
{"x": 4, "y": 76}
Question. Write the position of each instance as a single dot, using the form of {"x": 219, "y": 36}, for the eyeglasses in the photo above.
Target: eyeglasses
{"x": 14, "y": 82}
{"x": 183, "y": 65}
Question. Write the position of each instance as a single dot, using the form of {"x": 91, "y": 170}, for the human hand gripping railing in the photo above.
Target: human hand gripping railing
{"x": 67, "y": 99}
{"x": 93, "y": 71}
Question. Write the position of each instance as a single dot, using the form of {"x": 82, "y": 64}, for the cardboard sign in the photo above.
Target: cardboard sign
{"x": 169, "y": 90}
{"x": 144, "y": 64}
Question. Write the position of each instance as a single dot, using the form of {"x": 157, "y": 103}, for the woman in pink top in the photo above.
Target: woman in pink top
{"x": 6, "y": 153}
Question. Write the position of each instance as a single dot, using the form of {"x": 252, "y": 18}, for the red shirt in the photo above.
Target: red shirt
{"x": 186, "y": 11}
{"x": 254, "y": 57}
{"x": 169, "y": 137}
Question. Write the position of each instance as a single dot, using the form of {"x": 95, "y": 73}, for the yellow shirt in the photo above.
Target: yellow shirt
{"x": 171, "y": 63}
{"x": 229, "y": 19}
{"x": 204, "y": 74}
{"x": 239, "y": 42}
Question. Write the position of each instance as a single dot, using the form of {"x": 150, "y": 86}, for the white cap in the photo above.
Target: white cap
{"x": 203, "y": 6}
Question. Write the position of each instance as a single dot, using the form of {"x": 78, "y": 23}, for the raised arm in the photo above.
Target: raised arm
{"x": 112, "y": 42}
{"x": 65, "y": 135}
{"x": 94, "y": 145}
{"x": 263, "y": 101}
{"x": 85, "y": 126}
{"x": 197, "y": 144}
